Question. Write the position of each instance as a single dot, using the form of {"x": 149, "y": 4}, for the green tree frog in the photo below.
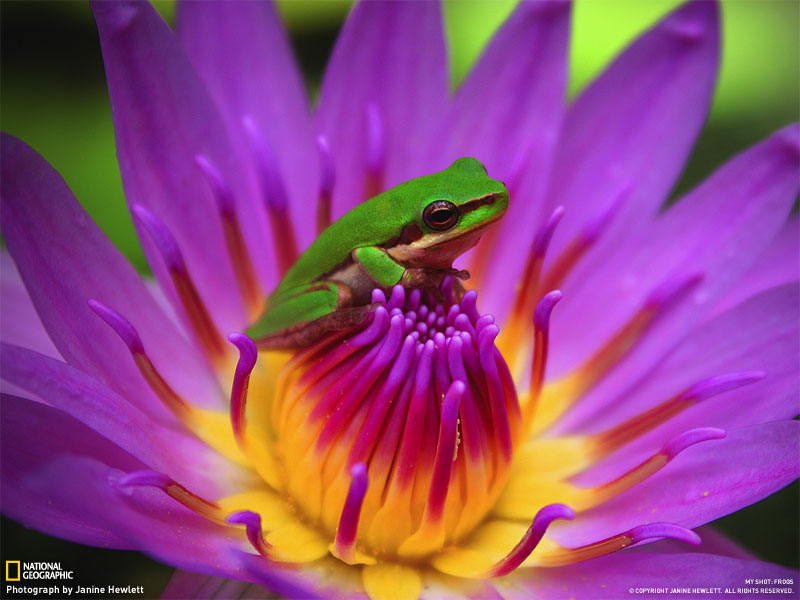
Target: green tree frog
{"x": 409, "y": 235}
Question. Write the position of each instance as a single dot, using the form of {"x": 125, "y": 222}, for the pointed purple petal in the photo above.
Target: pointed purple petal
{"x": 508, "y": 114}
{"x": 779, "y": 263}
{"x": 759, "y": 334}
{"x": 391, "y": 55}
{"x": 64, "y": 260}
{"x": 180, "y": 455}
{"x": 33, "y": 435}
{"x": 59, "y": 477}
{"x": 635, "y": 125}
{"x": 242, "y": 53}
{"x": 163, "y": 118}
{"x": 716, "y": 231}
{"x": 703, "y": 483}
{"x": 18, "y": 319}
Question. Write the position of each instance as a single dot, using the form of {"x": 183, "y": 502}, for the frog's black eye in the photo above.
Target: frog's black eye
{"x": 440, "y": 215}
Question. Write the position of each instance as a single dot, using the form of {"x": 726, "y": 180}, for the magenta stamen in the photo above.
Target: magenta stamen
{"x": 342, "y": 386}
{"x": 452, "y": 313}
{"x": 355, "y": 394}
{"x": 193, "y": 306}
{"x": 584, "y": 240}
{"x": 483, "y": 322}
{"x": 161, "y": 481}
{"x": 252, "y": 523}
{"x": 517, "y": 326}
{"x": 376, "y": 150}
{"x": 377, "y": 328}
{"x": 469, "y": 306}
{"x": 475, "y": 442}
{"x": 120, "y": 325}
{"x": 541, "y": 316}
{"x": 378, "y": 297}
{"x": 445, "y": 451}
{"x": 409, "y": 453}
{"x": 219, "y": 187}
{"x": 344, "y": 546}
{"x": 471, "y": 360}
{"x": 131, "y": 338}
{"x": 495, "y": 386}
{"x": 441, "y": 373}
{"x": 392, "y": 434}
{"x": 397, "y": 297}
{"x": 248, "y": 355}
{"x": 234, "y": 239}
{"x": 162, "y": 238}
{"x": 327, "y": 179}
{"x": 541, "y": 327}
{"x": 531, "y": 539}
{"x": 275, "y": 198}
{"x": 689, "y": 438}
{"x": 622, "y": 433}
{"x": 462, "y": 323}
{"x": 713, "y": 386}
{"x": 672, "y": 531}
{"x": 414, "y": 299}
{"x": 380, "y": 407}
{"x": 145, "y": 478}
{"x": 542, "y": 239}
{"x": 431, "y": 319}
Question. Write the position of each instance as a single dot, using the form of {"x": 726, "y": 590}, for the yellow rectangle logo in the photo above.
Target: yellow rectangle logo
{"x": 10, "y": 564}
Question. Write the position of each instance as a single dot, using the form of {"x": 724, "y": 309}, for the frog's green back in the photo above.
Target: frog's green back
{"x": 382, "y": 218}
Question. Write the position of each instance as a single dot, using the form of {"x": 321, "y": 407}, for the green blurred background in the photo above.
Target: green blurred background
{"x": 53, "y": 96}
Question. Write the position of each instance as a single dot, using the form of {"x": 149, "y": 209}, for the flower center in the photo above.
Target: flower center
{"x": 397, "y": 436}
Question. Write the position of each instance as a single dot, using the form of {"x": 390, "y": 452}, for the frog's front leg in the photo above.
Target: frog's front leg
{"x": 386, "y": 272}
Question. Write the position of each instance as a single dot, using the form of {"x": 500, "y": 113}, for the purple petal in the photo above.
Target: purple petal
{"x": 717, "y": 231}
{"x": 163, "y": 118}
{"x": 759, "y": 334}
{"x": 390, "y": 55}
{"x": 705, "y": 482}
{"x": 630, "y": 574}
{"x": 514, "y": 93}
{"x": 18, "y": 319}
{"x": 181, "y": 456}
{"x": 635, "y": 125}
{"x": 508, "y": 114}
{"x": 713, "y": 542}
{"x": 33, "y": 435}
{"x": 64, "y": 260}
{"x": 779, "y": 263}
{"x": 55, "y": 480}
{"x": 243, "y": 55}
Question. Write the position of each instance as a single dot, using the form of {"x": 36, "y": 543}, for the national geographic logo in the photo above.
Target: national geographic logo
{"x": 12, "y": 570}
{"x": 20, "y": 571}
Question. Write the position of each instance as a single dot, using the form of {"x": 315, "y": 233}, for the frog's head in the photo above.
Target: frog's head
{"x": 448, "y": 211}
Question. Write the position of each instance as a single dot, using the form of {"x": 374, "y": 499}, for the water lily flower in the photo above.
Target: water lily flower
{"x": 628, "y": 373}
